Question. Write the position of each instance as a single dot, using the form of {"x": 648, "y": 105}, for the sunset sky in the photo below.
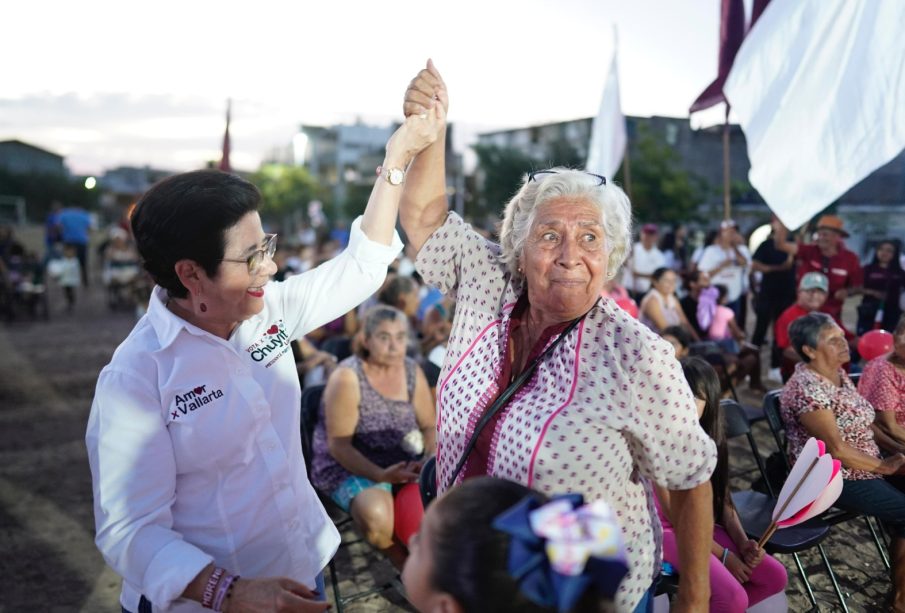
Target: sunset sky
{"x": 135, "y": 83}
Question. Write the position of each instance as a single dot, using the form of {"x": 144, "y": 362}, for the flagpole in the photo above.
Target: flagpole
{"x": 224, "y": 156}
{"x": 727, "y": 202}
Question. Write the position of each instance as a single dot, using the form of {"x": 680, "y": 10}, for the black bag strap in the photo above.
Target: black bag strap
{"x": 503, "y": 398}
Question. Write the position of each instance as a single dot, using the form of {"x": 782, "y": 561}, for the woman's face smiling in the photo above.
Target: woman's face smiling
{"x": 233, "y": 294}
{"x": 565, "y": 258}
{"x": 666, "y": 284}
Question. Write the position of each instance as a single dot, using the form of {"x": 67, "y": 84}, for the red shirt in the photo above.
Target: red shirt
{"x": 843, "y": 270}
{"x": 781, "y": 334}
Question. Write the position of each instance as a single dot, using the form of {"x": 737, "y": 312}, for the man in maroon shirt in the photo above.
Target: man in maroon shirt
{"x": 828, "y": 256}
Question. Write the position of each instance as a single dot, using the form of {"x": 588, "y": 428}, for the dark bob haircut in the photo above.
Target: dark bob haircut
{"x": 805, "y": 332}
{"x": 470, "y": 556}
{"x": 185, "y": 217}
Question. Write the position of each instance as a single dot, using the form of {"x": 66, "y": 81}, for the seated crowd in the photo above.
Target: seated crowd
{"x": 560, "y": 423}
{"x": 377, "y": 420}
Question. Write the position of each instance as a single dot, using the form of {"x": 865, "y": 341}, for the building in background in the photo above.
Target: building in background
{"x": 17, "y": 157}
{"x": 873, "y": 209}
{"x": 344, "y": 159}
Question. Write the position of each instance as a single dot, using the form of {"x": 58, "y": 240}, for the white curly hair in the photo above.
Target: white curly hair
{"x": 518, "y": 217}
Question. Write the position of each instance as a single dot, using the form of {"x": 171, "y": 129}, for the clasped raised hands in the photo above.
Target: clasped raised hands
{"x": 425, "y": 91}
{"x": 425, "y": 117}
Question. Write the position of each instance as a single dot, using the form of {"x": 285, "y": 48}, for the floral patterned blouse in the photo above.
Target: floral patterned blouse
{"x": 605, "y": 413}
{"x": 883, "y": 385}
{"x": 807, "y": 391}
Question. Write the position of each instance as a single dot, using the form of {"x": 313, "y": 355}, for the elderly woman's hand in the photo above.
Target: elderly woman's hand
{"x": 893, "y": 465}
{"x": 424, "y": 91}
{"x": 274, "y": 594}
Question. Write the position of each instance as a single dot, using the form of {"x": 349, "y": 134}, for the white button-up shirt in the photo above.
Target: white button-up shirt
{"x": 194, "y": 441}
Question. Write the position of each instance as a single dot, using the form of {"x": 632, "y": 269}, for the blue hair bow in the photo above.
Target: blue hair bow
{"x": 559, "y": 549}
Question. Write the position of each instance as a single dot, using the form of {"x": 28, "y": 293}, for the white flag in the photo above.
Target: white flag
{"x": 608, "y": 133}
{"x": 819, "y": 90}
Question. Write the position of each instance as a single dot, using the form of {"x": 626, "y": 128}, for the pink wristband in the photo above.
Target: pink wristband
{"x": 210, "y": 588}
{"x": 223, "y": 591}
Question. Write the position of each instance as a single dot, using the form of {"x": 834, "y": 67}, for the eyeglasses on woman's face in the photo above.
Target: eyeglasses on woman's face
{"x": 540, "y": 175}
{"x": 257, "y": 258}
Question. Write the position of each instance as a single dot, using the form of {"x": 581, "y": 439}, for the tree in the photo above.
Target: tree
{"x": 503, "y": 169}
{"x": 661, "y": 189}
{"x": 41, "y": 190}
{"x": 286, "y": 190}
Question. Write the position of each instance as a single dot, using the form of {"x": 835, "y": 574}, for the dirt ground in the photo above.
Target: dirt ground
{"x": 48, "y": 561}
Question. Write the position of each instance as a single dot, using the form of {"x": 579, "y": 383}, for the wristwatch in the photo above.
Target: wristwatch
{"x": 394, "y": 176}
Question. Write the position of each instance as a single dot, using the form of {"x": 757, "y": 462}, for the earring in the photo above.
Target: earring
{"x": 203, "y": 308}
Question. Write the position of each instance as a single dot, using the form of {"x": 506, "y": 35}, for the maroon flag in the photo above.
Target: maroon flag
{"x": 759, "y": 6}
{"x": 224, "y": 160}
{"x": 732, "y": 32}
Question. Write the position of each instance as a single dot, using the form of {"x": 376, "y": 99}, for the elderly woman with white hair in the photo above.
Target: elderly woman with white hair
{"x": 544, "y": 382}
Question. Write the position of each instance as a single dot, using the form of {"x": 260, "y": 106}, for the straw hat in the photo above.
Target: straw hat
{"x": 831, "y": 222}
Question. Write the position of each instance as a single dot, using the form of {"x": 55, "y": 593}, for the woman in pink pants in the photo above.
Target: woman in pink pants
{"x": 741, "y": 573}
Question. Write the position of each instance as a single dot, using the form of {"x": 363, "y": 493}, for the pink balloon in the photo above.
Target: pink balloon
{"x": 874, "y": 344}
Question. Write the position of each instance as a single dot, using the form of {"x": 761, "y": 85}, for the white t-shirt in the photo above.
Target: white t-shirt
{"x": 194, "y": 441}
{"x": 644, "y": 262}
{"x": 734, "y": 277}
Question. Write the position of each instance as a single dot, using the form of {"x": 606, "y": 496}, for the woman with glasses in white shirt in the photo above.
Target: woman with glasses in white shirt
{"x": 200, "y": 490}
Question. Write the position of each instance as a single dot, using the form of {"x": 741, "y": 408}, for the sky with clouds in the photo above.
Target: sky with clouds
{"x": 133, "y": 83}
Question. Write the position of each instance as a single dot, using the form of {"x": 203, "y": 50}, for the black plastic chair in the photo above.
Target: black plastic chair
{"x": 755, "y": 511}
{"x": 431, "y": 373}
{"x": 338, "y": 346}
{"x": 310, "y": 406}
{"x": 427, "y": 482}
{"x": 713, "y": 354}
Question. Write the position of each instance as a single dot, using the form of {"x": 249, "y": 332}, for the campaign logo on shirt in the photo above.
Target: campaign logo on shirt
{"x": 272, "y": 345}
{"x": 194, "y": 399}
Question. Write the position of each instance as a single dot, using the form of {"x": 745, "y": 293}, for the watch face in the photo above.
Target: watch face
{"x": 395, "y": 176}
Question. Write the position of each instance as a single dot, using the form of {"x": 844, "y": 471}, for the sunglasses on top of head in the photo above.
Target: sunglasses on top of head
{"x": 540, "y": 175}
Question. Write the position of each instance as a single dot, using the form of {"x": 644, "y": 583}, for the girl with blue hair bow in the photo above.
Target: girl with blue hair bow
{"x": 495, "y": 545}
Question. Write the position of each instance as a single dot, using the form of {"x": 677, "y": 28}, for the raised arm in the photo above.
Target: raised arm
{"x": 416, "y": 133}
{"x": 424, "y": 203}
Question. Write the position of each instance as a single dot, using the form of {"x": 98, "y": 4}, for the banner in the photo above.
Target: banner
{"x": 608, "y": 137}
{"x": 819, "y": 90}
